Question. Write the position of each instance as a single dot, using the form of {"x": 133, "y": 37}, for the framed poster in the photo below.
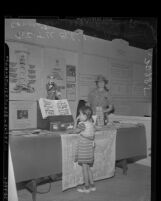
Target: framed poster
{"x": 22, "y": 114}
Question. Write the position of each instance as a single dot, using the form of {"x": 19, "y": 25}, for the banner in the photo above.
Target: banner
{"x": 104, "y": 162}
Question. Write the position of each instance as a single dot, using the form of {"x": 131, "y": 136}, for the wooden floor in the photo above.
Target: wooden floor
{"x": 135, "y": 186}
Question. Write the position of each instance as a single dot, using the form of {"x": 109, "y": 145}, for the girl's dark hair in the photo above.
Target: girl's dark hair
{"x": 87, "y": 111}
{"x": 81, "y": 103}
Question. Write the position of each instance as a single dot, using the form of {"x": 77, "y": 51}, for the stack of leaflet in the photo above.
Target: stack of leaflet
{"x": 125, "y": 124}
{"x": 29, "y": 132}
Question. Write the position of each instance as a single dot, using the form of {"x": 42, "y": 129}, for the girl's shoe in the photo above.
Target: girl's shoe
{"x": 92, "y": 187}
{"x": 84, "y": 189}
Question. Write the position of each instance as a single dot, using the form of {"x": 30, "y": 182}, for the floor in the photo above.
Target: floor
{"x": 135, "y": 186}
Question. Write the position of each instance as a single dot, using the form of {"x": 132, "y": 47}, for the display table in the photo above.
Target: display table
{"x": 147, "y": 123}
{"x": 39, "y": 156}
{"x": 35, "y": 156}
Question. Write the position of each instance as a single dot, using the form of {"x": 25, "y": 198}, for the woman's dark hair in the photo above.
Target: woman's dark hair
{"x": 87, "y": 111}
{"x": 105, "y": 87}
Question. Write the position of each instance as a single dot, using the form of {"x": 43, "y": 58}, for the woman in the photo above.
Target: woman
{"x": 99, "y": 98}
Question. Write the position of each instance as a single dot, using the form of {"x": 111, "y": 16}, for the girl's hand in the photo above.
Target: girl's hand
{"x": 73, "y": 131}
{"x": 70, "y": 131}
{"x": 81, "y": 126}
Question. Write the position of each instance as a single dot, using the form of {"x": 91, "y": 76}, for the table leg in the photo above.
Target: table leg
{"x": 32, "y": 187}
{"x": 122, "y": 164}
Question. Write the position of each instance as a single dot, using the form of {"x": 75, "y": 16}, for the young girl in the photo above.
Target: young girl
{"x": 85, "y": 148}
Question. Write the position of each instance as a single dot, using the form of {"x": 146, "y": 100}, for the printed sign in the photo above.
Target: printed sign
{"x": 54, "y": 107}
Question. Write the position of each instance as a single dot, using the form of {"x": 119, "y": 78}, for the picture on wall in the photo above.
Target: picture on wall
{"x": 71, "y": 73}
{"x": 25, "y": 69}
{"x": 22, "y": 75}
{"x": 22, "y": 115}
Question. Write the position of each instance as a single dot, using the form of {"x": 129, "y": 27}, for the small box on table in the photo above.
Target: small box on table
{"x": 61, "y": 122}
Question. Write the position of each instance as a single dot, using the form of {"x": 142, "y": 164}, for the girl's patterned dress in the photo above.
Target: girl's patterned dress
{"x": 85, "y": 147}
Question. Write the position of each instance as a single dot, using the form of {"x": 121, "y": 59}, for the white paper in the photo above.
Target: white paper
{"x": 54, "y": 107}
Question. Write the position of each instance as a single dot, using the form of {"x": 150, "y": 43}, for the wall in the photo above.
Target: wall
{"x": 124, "y": 67}
{"x": 121, "y": 64}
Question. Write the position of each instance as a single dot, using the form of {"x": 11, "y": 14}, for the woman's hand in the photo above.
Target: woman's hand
{"x": 109, "y": 110}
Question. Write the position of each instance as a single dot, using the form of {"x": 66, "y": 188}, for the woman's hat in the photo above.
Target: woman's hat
{"x": 50, "y": 77}
{"x": 101, "y": 78}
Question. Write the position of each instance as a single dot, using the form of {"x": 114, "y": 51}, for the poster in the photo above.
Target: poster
{"x": 71, "y": 73}
{"x": 104, "y": 162}
{"x": 21, "y": 74}
{"x": 23, "y": 114}
{"x": 54, "y": 107}
{"x": 25, "y": 65}
{"x": 71, "y": 91}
